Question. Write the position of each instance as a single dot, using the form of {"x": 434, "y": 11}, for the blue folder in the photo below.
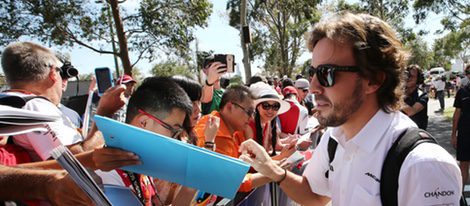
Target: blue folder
{"x": 175, "y": 161}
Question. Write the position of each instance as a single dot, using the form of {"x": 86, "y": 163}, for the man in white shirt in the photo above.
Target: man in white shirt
{"x": 440, "y": 85}
{"x": 33, "y": 70}
{"x": 358, "y": 62}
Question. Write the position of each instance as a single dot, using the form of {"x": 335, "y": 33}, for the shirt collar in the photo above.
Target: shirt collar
{"x": 370, "y": 135}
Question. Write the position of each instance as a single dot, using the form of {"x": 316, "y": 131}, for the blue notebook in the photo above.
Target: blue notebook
{"x": 175, "y": 161}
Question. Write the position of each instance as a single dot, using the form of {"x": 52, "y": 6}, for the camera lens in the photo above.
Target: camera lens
{"x": 68, "y": 71}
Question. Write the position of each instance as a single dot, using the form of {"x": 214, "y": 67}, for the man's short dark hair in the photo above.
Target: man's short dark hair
{"x": 287, "y": 82}
{"x": 158, "y": 96}
{"x": 192, "y": 88}
{"x": 27, "y": 62}
{"x": 236, "y": 93}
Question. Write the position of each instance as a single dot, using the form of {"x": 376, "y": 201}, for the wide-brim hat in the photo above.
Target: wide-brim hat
{"x": 263, "y": 93}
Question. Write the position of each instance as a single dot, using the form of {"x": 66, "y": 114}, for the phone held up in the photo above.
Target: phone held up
{"x": 104, "y": 79}
{"x": 227, "y": 59}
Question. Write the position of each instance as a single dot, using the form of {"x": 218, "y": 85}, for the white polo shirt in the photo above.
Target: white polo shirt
{"x": 429, "y": 174}
{"x": 40, "y": 144}
{"x": 439, "y": 84}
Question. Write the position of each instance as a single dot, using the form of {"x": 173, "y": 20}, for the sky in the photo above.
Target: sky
{"x": 218, "y": 36}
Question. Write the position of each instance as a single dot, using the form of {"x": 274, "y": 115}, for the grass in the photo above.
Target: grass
{"x": 448, "y": 113}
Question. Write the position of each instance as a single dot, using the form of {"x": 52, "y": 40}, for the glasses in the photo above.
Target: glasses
{"x": 266, "y": 106}
{"x": 326, "y": 73}
{"x": 176, "y": 132}
{"x": 248, "y": 112}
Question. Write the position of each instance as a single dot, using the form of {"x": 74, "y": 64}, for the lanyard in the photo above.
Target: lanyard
{"x": 136, "y": 184}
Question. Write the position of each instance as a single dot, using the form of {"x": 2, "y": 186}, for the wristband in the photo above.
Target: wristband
{"x": 210, "y": 145}
{"x": 210, "y": 85}
{"x": 283, "y": 177}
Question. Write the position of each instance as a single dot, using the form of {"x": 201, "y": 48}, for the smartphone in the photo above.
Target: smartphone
{"x": 227, "y": 59}
{"x": 104, "y": 79}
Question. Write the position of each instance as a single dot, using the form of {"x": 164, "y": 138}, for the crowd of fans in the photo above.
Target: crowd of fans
{"x": 352, "y": 92}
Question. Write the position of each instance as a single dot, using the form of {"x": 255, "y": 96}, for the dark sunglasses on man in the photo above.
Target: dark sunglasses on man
{"x": 326, "y": 73}
{"x": 266, "y": 106}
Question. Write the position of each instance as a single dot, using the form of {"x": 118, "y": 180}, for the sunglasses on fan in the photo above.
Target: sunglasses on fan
{"x": 267, "y": 106}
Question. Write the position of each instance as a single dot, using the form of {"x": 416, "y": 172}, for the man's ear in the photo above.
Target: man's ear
{"x": 53, "y": 76}
{"x": 374, "y": 85}
{"x": 141, "y": 121}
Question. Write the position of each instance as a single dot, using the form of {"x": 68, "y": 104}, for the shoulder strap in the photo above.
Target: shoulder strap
{"x": 17, "y": 101}
{"x": 332, "y": 145}
{"x": 406, "y": 142}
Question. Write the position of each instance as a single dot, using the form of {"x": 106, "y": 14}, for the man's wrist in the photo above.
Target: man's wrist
{"x": 209, "y": 84}
{"x": 277, "y": 173}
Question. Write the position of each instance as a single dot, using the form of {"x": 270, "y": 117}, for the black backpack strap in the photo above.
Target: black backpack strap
{"x": 17, "y": 101}
{"x": 332, "y": 145}
{"x": 406, "y": 142}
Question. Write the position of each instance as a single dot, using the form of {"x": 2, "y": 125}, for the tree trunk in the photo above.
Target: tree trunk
{"x": 123, "y": 50}
{"x": 246, "y": 56}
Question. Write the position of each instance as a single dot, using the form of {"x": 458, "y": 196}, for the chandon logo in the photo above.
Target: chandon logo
{"x": 438, "y": 193}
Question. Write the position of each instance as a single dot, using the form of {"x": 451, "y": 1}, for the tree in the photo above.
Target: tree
{"x": 456, "y": 12}
{"x": 453, "y": 45}
{"x": 171, "y": 68}
{"x": 391, "y": 11}
{"x": 420, "y": 53}
{"x": 156, "y": 26}
{"x": 278, "y": 27}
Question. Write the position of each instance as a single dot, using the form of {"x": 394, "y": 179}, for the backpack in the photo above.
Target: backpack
{"x": 396, "y": 155}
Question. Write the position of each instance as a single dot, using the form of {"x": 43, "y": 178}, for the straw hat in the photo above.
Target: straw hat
{"x": 263, "y": 92}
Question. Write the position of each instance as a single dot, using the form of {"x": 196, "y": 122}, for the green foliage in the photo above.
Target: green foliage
{"x": 456, "y": 11}
{"x": 86, "y": 77}
{"x": 155, "y": 27}
{"x": 420, "y": 53}
{"x": 391, "y": 11}
{"x": 171, "y": 68}
{"x": 453, "y": 45}
{"x": 277, "y": 29}
{"x": 236, "y": 80}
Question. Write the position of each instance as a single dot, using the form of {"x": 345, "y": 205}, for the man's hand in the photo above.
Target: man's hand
{"x": 255, "y": 155}
{"x": 211, "y": 129}
{"x": 215, "y": 71}
{"x": 112, "y": 100}
{"x": 107, "y": 159}
{"x": 453, "y": 141}
{"x": 62, "y": 190}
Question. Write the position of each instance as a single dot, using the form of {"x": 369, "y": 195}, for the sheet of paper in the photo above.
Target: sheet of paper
{"x": 175, "y": 161}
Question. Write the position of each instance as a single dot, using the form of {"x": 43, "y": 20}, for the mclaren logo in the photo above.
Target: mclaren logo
{"x": 439, "y": 193}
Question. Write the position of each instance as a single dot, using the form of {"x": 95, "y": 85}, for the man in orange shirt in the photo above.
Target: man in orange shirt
{"x": 236, "y": 111}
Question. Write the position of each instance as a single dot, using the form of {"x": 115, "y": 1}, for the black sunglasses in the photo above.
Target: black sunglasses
{"x": 326, "y": 73}
{"x": 247, "y": 111}
{"x": 267, "y": 106}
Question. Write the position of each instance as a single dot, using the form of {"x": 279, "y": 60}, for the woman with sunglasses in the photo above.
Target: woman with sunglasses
{"x": 264, "y": 128}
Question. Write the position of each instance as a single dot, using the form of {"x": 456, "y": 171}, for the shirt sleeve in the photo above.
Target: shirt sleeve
{"x": 317, "y": 166}
{"x": 429, "y": 176}
{"x": 423, "y": 99}
{"x": 42, "y": 143}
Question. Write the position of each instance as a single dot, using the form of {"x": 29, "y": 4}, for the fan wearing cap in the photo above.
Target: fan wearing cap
{"x": 129, "y": 82}
{"x": 304, "y": 96}
{"x": 295, "y": 120}
{"x": 268, "y": 105}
